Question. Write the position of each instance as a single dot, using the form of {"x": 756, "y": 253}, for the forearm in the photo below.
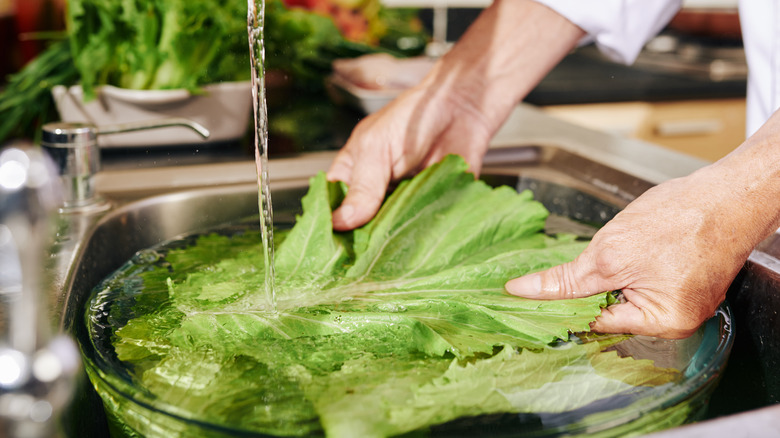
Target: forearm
{"x": 511, "y": 46}
{"x": 747, "y": 182}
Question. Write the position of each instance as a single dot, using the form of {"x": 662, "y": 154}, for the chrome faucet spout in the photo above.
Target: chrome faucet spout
{"x": 36, "y": 367}
{"x": 28, "y": 195}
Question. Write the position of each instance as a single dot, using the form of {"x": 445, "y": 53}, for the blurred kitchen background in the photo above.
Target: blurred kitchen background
{"x": 685, "y": 92}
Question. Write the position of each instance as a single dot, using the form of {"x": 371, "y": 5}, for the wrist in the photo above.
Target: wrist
{"x": 744, "y": 191}
{"x": 504, "y": 54}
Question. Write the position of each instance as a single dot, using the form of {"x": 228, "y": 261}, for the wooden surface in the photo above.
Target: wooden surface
{"x": 706, "y": 129}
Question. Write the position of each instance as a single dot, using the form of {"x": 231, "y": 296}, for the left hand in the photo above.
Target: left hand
{"x": 673, "y": 252}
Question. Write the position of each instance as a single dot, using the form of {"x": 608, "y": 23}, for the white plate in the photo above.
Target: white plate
{"x": 224, "y": 109}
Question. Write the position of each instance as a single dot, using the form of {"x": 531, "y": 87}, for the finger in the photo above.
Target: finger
{"x": 341, "y": 168}
{"x": 570, "y": 280}
{"x": 622, "y": 318}
{"x": 629, "y": 318}
{"x": 367, "y": 189}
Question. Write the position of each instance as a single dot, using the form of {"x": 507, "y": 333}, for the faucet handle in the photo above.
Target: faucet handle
{"x": 153, "y": 124}
{"x": 73, "y": 147}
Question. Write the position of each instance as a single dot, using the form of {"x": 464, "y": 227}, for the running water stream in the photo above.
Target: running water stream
{"x": 255, "y": 23}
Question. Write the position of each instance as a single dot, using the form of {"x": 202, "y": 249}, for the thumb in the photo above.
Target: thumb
{"x": 570, "y": 280}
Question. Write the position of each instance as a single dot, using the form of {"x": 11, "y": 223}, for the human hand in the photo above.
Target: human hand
{"x": 414, "y": 131}
{"x": 673, "y": 252}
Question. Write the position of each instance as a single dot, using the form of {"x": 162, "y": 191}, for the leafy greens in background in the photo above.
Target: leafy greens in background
{"x": 158, "y": 44}
{"x": 395, "y": 327}
{"x": 154, "y": 44}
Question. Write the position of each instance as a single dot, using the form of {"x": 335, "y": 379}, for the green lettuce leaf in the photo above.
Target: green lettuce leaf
{"x": 551, "y": 380}
{"x": 395, "y": 327}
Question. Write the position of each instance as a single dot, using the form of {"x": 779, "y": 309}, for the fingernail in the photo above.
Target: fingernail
{"x": 529, "y": 286}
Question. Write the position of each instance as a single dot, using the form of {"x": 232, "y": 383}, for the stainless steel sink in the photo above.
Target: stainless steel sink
{"x": 94, "y": 245}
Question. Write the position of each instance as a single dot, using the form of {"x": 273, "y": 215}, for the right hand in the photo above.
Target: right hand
{"x": 414, "y": 131}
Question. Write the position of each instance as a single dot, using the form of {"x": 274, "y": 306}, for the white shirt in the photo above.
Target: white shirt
{"x": 620, "y": 28}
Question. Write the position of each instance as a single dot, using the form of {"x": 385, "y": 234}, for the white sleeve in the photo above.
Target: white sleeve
{"x": 620, "y": 28}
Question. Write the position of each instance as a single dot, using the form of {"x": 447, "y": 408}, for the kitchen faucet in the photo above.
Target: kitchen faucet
{"x": 37, "y": 367}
